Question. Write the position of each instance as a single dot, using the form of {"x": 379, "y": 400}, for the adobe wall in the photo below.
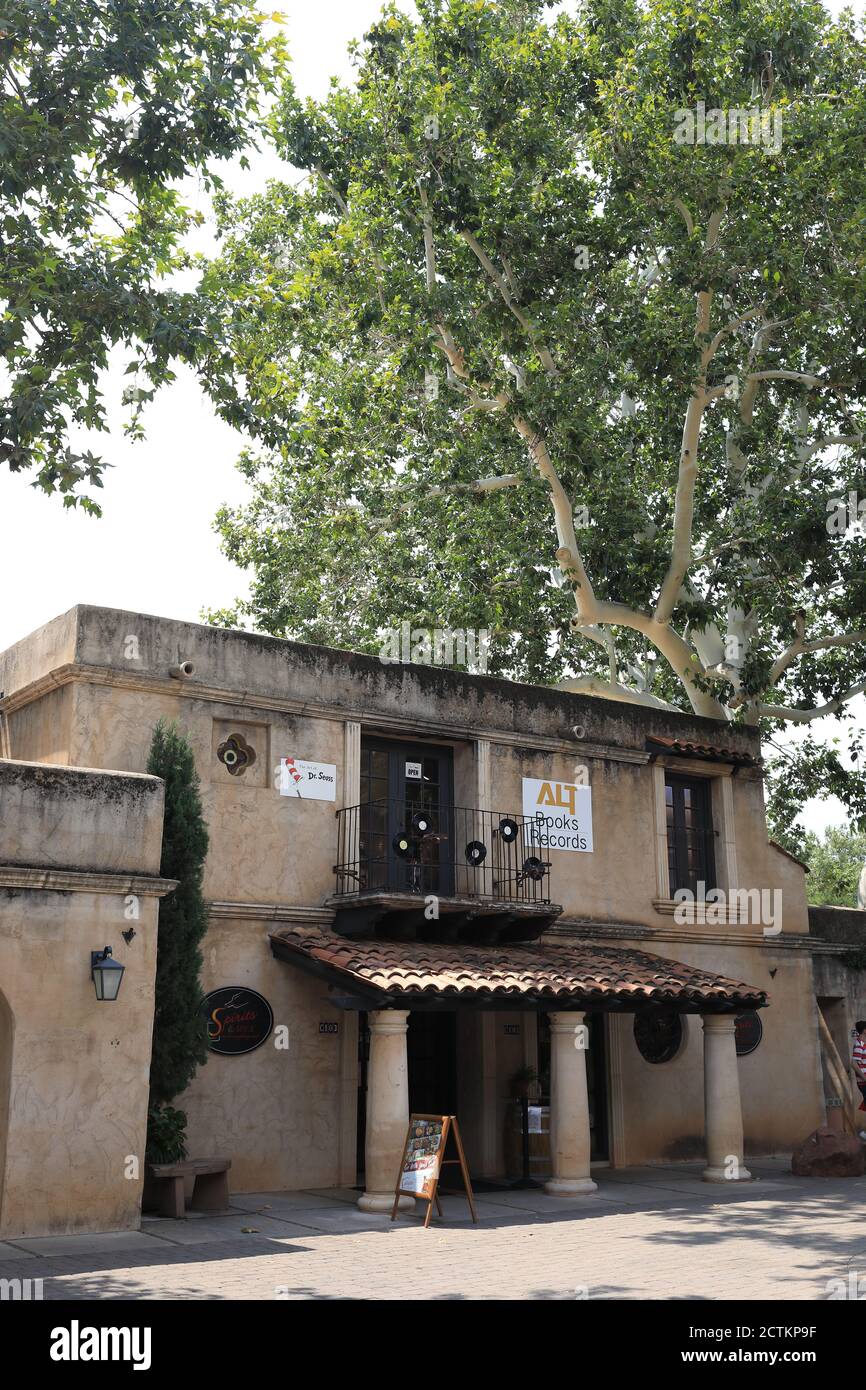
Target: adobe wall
{"x": 79, "y": 864}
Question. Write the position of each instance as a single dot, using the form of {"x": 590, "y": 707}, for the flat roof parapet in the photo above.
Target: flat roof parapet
{"x": 841, "y": 925}
{"x": 55, "y": 817}
{"x": 119, "y": 647}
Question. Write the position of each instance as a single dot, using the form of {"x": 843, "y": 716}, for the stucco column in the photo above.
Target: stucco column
{"x": 723, "y": 1115}
{"x": 387, "y": 1110}
{"x": 569, "y": 1107}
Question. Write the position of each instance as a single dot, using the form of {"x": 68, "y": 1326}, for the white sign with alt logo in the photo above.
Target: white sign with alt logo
{"x": 561, "y": 813}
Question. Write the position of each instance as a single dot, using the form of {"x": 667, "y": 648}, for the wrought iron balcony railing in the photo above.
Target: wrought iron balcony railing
{"x": 394, "y": 846}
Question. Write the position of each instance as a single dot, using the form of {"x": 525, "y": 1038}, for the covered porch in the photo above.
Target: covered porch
{"x": 390, "y": 980}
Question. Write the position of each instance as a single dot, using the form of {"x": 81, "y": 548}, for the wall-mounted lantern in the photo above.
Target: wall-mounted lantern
{"x": 106, "y": 973}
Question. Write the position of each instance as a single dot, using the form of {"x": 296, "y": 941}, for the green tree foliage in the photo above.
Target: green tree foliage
{"x": 516, "y": 355}
{"x": 835, "y": 863}
{"x": 179, "y": 1031}
{"x": 103, "y": 108}
{"x": 815, "y": 769}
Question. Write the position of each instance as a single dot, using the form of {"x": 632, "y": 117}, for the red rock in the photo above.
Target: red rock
{"x": 828, "y": 1154}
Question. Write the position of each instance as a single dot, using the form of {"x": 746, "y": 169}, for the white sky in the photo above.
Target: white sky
{"x": 155, "y": 550}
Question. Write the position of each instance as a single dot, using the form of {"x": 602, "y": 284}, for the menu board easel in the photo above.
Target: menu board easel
{"x": 423, "y": 1160}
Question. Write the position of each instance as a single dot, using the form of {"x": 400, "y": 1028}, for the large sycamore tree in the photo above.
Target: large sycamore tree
{"x": 560, "y": 333}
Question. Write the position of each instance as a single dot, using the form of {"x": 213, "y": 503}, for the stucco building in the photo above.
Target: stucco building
{"x": 79, "y": 866}
{"x": 437, "y": 881}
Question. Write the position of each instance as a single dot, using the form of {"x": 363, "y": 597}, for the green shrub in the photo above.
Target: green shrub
{"x": 179, "y": 1030}
{"x": 166, "y": 1135}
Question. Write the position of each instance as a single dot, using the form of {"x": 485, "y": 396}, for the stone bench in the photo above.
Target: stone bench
{"x": 210, "y": 1190}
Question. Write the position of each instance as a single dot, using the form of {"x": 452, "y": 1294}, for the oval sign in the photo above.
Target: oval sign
{"x": 238, "y": 1020}
{"x": 748, "y": 1032}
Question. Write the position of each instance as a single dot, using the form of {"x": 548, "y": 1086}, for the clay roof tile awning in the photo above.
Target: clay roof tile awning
{"x": 569, "y": 975}
{"x": 711, "y": 752}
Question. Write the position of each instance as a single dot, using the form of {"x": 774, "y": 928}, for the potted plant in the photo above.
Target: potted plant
{"x": 522, "y": 1082}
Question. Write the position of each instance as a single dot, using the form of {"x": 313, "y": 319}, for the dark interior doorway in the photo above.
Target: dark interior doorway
{"x": 363, "y": 1067}
{"x": 432, "y": 1048}
{"x": 431, "y": 1045}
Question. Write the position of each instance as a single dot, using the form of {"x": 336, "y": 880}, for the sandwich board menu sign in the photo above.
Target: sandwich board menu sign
{"x": 423, "y": 1160}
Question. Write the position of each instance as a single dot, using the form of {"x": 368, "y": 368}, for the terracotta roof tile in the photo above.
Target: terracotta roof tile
{"x": 712, "y": 752}
{"x": 566, "y": 972}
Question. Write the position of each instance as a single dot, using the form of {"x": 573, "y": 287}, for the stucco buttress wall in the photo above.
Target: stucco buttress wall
{"x": 76, "y": 1095}
{"x": 760, "y": 864}
{"x": 63, "y": 817}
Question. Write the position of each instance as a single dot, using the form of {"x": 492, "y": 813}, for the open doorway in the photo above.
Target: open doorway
{"x": 363, "y": 1069}
{"x": 431, "y": 1046}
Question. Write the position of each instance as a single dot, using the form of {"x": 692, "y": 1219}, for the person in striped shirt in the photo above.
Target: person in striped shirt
{"x": 859, "y": 1060}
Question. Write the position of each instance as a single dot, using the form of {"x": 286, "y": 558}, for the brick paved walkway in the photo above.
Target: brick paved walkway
{"x": 650, "y": 1233}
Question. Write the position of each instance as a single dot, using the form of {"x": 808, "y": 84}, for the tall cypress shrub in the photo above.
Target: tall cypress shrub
{"x": 179, "y": 1030}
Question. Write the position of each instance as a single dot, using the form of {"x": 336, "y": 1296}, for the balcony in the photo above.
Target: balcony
{"x": 440, "y": 873}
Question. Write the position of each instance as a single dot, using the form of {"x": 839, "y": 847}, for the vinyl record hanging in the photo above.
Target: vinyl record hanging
{"x": 533, "y": 868}
{"x": 476, "y": 853}
{"x": 508, "y": 830}
{"x": 404, "y": 846}
{"x": 421, "y": 823}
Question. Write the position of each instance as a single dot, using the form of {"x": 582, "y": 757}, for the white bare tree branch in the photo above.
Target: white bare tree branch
{"x": 828, "y": 442}
{"x": 332, "y": 189}
{"x": 568, "y": 554}
{"x": 800, "y": 645}
{"x": 815, "y": 382}
{"x": 508, "y": 298}
{"x": 805, "y": 716}
{"x": 445, "y": 341}
{"x": 684, "y": 506}
{"x": 756, "y": 311}
{"x": 591, "y": 685}
{"x": 479, "y": 486}
{"x": 649, "y": 276}
{"x": 685, "y": 214}
{"x": 684, "y": 502}
{"x": 604, "y": 637}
